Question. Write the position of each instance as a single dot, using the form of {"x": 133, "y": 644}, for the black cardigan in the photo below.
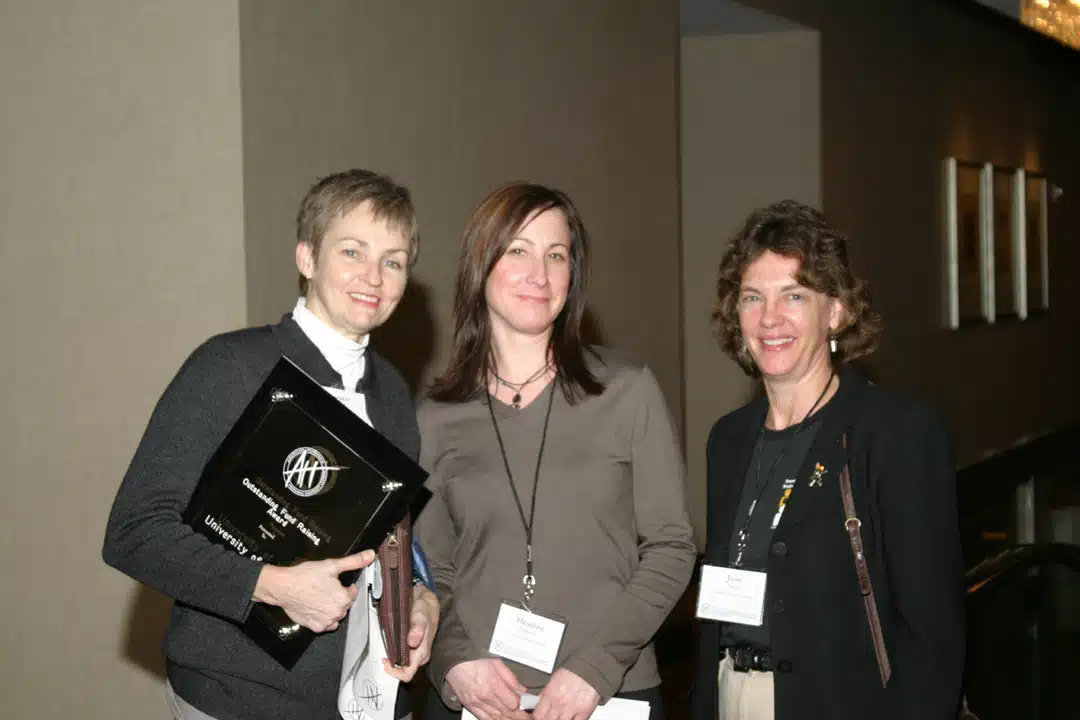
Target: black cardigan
{"x": 903, "y": 481}
{"x": 211, "y": 663}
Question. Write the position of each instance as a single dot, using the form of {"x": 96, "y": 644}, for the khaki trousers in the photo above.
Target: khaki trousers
{"x": 180, "y": 709}
{"x": 744, "y": 695}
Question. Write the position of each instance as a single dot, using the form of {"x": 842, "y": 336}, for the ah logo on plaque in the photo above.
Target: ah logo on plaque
{"x": 346, "y": 488}
{"x": 309, "y": 472}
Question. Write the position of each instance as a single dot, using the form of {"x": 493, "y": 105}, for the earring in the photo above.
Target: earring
{"x": 832, "y": 344}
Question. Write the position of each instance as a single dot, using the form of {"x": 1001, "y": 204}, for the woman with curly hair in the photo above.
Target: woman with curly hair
{"x": 832, "y": 582}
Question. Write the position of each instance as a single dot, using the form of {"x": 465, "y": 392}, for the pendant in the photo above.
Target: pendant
{"x": 516, "y": 400}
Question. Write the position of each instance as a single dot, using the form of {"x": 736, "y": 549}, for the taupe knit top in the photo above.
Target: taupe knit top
{"x": 613, "y": 547}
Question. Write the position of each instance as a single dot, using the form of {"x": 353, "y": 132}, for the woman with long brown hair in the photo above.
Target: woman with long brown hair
{"x": 557, "y": 531}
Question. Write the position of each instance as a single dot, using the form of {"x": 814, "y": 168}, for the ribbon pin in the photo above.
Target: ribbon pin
{"x": 816, "y": 476}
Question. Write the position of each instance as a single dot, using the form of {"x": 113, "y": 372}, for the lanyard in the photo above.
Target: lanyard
{"x": 744, "y": 532}
{"x": 529, "y": 581}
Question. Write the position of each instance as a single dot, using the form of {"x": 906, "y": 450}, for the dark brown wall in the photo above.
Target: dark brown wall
{"x": 905, "y": 84}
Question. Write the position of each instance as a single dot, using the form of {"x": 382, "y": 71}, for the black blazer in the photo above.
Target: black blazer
{"x": 210, "y": 662}
{"x": 903, "y": 481}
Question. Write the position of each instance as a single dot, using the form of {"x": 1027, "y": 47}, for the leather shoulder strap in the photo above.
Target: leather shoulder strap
{"x": 854, "y": 530}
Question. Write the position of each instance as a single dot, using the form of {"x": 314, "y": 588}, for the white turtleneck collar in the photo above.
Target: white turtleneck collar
{"x": 345, "y": 356}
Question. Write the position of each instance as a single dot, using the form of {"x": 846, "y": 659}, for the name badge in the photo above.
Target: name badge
{"x": 731, "y": 595}
{"x": 353, "y": 400}
{"x": 526, "y": 637}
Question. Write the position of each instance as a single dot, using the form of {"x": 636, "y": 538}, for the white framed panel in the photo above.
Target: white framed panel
{"x": 1036, "y": 241}
{"x": 1006, "y": 263}
{"x": 952, "y": 247}
{"x": 965, "y": 254}
{"x": 986, "y": 242}
{"x": 996, "y": 250}
{"x": 1019, "y": 236}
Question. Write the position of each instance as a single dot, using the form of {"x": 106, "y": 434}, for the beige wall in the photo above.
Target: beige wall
{"x": 903, "y": 87}
{"x": 147, "y": 202}
{"x": 746, "y": 139}
{"x": 120, "y": 238}
{"x": 453, "y": 99}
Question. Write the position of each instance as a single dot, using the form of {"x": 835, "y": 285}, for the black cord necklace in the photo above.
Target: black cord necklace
{"x": 518, "y": 387}
{"x": 529, "y": 580}
{"x": 744, "y": 533}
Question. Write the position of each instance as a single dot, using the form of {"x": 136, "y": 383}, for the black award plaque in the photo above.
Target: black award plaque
{"x": 300, "y": 477}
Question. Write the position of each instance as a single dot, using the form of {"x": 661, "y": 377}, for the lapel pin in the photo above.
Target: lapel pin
{"x": 817, "y": 475}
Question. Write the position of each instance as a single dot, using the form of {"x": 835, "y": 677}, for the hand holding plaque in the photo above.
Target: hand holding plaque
{"x": 300, "y": 477}
{"x": 311, "y": 593}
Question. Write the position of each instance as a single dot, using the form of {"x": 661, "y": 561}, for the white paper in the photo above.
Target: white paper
{"x": 526, "y": 638}
{"x": 731, "y": 595}
{"x": 614, "y": 709}
{"x": 367, "y": 691}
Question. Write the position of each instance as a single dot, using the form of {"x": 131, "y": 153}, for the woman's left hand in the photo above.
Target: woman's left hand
{"x": 566, "y": 697}
{"x": 422, "y": 625}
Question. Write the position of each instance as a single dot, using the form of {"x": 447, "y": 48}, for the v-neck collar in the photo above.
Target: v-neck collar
{"x": 504, "y": 411}
{"x": 834, "y": 419}
{"x": 824, "y": 458}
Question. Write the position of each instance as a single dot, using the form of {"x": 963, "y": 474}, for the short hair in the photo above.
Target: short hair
{"x": 797, "y": 231}
{"x": 488, "y": 234}
{"x": 337, "y": 195}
